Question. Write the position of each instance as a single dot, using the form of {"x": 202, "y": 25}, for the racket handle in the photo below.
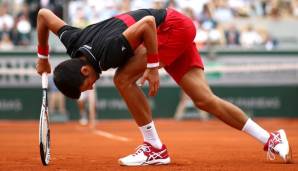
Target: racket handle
{"x": 44, "y": 80}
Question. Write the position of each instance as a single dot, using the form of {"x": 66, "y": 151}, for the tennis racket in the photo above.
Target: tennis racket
{"x": 44, "y": 130}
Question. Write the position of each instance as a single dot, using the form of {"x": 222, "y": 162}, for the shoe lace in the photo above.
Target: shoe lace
{"x": 142, "y": 148}
{"x": 271, "y": 144}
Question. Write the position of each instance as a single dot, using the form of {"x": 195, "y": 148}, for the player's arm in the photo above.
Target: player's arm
{"x": 144, "y": 32}
{"x": 46, "y": 21}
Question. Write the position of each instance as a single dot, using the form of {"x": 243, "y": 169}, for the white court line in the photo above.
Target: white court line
{"x": 110, "y": 136}
{"x": 105, "y": 134}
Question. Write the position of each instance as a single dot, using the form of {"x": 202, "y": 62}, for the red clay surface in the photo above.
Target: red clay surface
{"x": 193, "y": 145}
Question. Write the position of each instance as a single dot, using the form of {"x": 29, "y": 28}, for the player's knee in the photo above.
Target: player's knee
{"x": 207, "y": 103}
{"x": 120, "y": 81}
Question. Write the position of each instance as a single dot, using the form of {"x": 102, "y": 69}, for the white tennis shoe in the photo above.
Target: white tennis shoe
{"x": 278, "y": 144}
{"x": 146, "y": 154}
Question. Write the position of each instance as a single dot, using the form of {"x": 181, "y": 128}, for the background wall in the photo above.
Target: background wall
{"x": 237, "y": 76}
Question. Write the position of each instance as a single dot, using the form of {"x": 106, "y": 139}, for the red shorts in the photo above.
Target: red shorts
{"x": 176, "y": 48}
{"x": 175, "y": 43}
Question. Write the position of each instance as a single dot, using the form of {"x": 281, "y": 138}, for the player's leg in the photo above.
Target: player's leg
{"x": 204, "y": 99}
{"x": 125, "y": 81}
{"x": 182, "y": 105}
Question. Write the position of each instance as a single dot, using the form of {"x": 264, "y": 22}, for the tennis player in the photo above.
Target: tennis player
{"x": 138, "y": 43}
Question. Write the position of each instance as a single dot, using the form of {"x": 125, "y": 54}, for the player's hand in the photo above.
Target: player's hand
{"x": 43, "y": 65}
{"x": 152, "y": 76}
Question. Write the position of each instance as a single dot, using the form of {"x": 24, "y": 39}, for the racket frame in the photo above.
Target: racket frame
{"x": 44, "y": 146}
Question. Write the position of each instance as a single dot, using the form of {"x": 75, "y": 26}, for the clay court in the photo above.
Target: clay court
{"x": 192, "y": 144}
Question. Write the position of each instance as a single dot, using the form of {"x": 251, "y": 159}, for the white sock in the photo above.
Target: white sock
{"x": 256, "y": 131}
{"x": 150, "y": 135}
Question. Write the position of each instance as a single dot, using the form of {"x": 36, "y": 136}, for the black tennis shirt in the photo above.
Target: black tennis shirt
{"x": 103, "y": 43}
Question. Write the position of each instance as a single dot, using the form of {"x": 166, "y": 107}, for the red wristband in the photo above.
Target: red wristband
{"x": 152, "y": 58}
{"x": 43, "y": 50}
{"x": 152, "y": 61}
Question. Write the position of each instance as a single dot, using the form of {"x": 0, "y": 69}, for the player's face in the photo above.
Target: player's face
{"x": 90, "y": 78}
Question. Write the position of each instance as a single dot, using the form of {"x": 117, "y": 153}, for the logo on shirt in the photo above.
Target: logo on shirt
{"x": 123, "y": 48}
{"x": 88, "y": 47}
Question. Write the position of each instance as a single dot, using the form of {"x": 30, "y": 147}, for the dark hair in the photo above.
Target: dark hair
{"x": 68, "y": 77}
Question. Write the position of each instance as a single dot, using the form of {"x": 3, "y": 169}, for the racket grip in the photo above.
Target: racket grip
{"x": 44, "y": 80}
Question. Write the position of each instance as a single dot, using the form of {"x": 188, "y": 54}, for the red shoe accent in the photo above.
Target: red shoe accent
{"x": 153, "y": 153}
{"x": 273, "y": 140}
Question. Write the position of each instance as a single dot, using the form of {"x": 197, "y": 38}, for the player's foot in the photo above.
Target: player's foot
{"x": 146, "y": 154}
{"x": 278, "y": 144}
